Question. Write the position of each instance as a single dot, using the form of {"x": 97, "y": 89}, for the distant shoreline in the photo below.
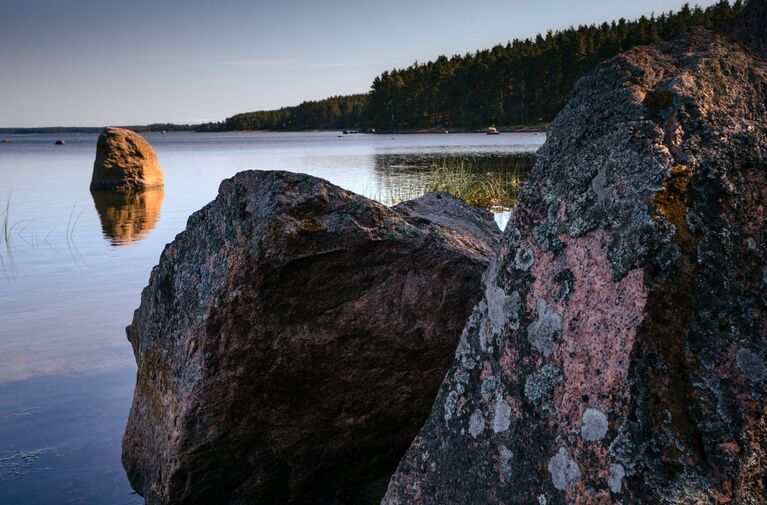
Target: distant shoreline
{"x": 537, "y": 128}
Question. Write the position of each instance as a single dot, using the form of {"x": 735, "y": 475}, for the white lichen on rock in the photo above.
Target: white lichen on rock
{"x": 594, "y": 426}
{"x": 563, "y": 469}
{"x": 615, "y": 477}
{"x": 502, "y": 308}
{"x": 504, "y": 460}
{"x": 488, "y": 387}
{"x": 751, "y": 364}
{"x": 502, "y": 415}
{"x": 476, "y": 423}
{"x": 541, "y": 384}
{"x": 543, "y": 333}
{"x": 524, "y": 259}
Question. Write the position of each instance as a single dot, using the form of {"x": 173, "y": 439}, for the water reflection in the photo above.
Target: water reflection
{"x": 128, "y": 217}
{"x": 66, "y": 370}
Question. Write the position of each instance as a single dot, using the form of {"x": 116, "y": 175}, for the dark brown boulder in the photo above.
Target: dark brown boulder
{"x": 291, "y": 341}
{"x": 619, "y": 354}
{"x": 125, "y": 162}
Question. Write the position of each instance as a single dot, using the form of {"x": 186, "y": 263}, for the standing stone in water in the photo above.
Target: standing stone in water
{"x": 124, "y": 162}
{"x": 292, "y": 338}
{"x": 646, "y": 220}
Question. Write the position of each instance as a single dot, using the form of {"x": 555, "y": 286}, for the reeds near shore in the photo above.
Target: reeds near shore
{"x": 5, "y": 236}
{"x": 488, "y": 190}
{"x": 21, "y": 233}
{"x": 490, "y": 187}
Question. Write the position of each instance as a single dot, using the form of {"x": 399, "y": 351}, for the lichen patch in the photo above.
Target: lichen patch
{"x": 564, "y": 470}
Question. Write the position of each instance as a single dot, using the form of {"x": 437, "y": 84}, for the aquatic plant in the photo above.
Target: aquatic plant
{"x": 472, "y": 184}
{"x": 5, "y": 238}
{"x": 494, "y": 187}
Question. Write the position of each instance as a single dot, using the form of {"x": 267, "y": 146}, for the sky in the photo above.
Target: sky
{"x": 107, "y": 62}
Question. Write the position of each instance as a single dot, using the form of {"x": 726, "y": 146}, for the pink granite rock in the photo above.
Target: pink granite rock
{"x": 619, "y": 353}
{"x": 292, "y": 338}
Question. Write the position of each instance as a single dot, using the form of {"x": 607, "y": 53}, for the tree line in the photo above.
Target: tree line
{"x": 525, "y": 82}
{"x": 336, "y": 112}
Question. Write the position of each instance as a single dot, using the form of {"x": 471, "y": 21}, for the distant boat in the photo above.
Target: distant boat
{"x": 60, "y": 142}
{"x": 492, "y": 131}
{"x": 6, "y": 141}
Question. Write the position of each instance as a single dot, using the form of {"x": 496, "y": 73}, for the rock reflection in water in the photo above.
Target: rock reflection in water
{"x": 128, "y": 217}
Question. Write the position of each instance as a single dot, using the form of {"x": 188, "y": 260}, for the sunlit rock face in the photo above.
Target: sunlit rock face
{"x": 618, "y": 354}
{"x": 292, "y": 338}
{"x": 125, "y": 162}
{"x": 128, "y": 217}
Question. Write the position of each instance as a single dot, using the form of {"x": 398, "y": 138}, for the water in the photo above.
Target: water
{"x": 73, "y": 268}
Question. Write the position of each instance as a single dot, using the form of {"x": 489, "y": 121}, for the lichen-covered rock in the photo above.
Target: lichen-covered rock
{"x": 619, "y": 352}
{"x": 125, "y": 162}
{"x": 291, "y": 341}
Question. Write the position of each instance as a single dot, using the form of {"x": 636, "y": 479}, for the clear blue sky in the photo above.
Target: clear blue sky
{"x": 99, "y": 62}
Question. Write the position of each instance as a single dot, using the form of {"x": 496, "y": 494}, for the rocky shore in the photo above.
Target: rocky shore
{"x": 292, "y": 339}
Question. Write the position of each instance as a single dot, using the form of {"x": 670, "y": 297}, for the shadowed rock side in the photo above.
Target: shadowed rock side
{"x": 124, "y": 162}
{"x": 128, "y": 217}
{"x": 618, "y": 354}
{"x": 291, "y": 341}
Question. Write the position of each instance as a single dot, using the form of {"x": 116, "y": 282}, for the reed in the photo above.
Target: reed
{"x": 6, "y": 237}
{"x": 6, "y": 212}
{"x": 494, "y": 188}
{"x": 486, "y": 189}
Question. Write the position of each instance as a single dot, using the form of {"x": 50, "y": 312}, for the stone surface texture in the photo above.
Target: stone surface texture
{"x": 292, "y": 339}
{"x": 618, "y": 354}
{"x": 125, "y": 162}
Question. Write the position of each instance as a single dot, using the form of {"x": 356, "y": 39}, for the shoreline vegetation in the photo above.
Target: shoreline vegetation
{"x": 480, "y": 183}
{"x": 527, "y": 128}
{"x": 521, "y": 85}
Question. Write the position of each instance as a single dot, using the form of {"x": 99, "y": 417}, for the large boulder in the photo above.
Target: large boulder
{"x": 619, "y": 354}
{"x": 125, "y": 162}
{"x": 291, "y": 341}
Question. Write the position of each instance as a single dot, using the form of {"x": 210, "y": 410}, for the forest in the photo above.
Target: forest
{"x": 336, "y": 112}
{"x": 524, "y": 82}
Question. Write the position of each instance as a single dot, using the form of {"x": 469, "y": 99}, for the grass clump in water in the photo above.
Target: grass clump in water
{"x": 496, "y": 189}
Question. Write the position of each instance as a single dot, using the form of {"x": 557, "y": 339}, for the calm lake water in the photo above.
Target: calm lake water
{"x": 73, "y": 266}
